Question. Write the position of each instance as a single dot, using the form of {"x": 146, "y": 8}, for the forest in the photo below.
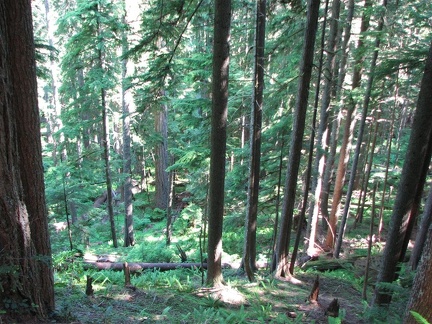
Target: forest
{"x": 215, "y": 161}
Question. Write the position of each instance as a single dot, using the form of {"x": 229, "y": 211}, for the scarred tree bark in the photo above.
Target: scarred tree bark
{"x": 24, "y": 241}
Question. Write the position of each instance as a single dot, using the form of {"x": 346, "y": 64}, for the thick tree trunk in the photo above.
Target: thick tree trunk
{"x": 422, "y": 232}
{"x": 24, "y": 242}
{"x": 282, "y": 249}
{"x": 421, "y": 292}
{"x": 222, "y": 23}
{"x": 416, "y": 158}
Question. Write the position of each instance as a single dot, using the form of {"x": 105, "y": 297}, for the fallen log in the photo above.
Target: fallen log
{"x": 140, "y": 266}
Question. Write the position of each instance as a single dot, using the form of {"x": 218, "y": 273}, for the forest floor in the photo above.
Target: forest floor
{"x": 179, "y": 297}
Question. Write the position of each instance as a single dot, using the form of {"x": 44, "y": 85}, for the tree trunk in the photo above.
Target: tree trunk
{"x": 359, "y": 138}
{"x": 255, "y": 142}
{"x": 422, "y": 232}
{"x": 127, "y": 169}
{"x": 312, "y": 224}
{"x": 324, "y": 129}
{"x": 162, "y": 175}
{"x": 24, "y": 242}
{"x": 421, "y": 293}
{"x": 282, "y": 248}
{"x": 222, "y": 22}
{"x": 411, "y": 179}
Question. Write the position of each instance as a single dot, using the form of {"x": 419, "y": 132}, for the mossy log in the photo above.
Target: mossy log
{"x": 331, "y": 264}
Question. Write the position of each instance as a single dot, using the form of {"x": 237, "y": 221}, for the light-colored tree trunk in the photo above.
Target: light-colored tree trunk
{"x": 127, "y": 163}
{"x": 311, "y": 228}
{"x": 324, "y": 128}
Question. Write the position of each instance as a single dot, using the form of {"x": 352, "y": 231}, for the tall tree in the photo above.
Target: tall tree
{"x": 222, "y": 23}
{"x": 127, "y": 159}
{"x": 249, "y": 258}
{"x": 324, "y": 129}
{"x": 417, "y": 157}
{"x": 281, "y": 264}
{"x": 25, "y": 253}
{"x": 421, "y": 294}
{"x": 365, "y": 108}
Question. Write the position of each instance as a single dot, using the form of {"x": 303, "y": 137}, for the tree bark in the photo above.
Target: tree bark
{"x": 359, "y": 137}
{"x": 417, "y": 157}
{"x": 222, "y": 23}
{"x": 162, "y": 175}
{"x": 127, "y": 163}
{"x": 421, "y": 293}
{"x": 255, "y": 143}
{"x": 24, "y": 242}
{"x": 324, "y": 129}
{"x": 422, "y": 232}
{"x": 282, "y": 248}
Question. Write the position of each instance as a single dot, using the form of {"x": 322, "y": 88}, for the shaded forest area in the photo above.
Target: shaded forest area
{"x": 217, "y": 161}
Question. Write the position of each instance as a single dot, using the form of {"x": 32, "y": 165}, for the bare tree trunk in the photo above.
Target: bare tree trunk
{"x": 421, "y": 293}
{"x": 283, "y": 241}
{"x": 127, "y": 163}
{"x": 422, "y": 232}
{"x": 312, "y": 223}
{"x": 389, "y": 146}
{"x": 162, "y": 175}
{"x": 324, "y": 129}
{"x": 25, "y": 251}
{"x": 417, "y": 157}
{"x": 249, "y": 257}
{"x": 222, "y": 23}
{"x": 359, "y": 138}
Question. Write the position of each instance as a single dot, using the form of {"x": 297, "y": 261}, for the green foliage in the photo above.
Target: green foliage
{"x": 420, "y": 319}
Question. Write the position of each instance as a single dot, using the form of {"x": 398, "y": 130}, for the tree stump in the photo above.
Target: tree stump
{"x": 89, "y": 288}
{"x": 313, "y": 297}
{"x": 126, "y": 271}
{"x": 333, "y": 308}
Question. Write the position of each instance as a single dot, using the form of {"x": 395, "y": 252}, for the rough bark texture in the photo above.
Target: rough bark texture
{"x": 25, "y": 254}
{"x": 254, "y": 173}
{"x": 222, "y": 22}
{"x": 162, "y": 176}
{"x": 282, "y": 248}
{"x": 411, "y": 178}
{"x": 421, "y": 297}
{"x": 422, "y": 232}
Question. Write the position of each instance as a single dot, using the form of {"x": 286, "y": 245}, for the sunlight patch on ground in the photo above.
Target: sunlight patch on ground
{"x": 225, "y": 294}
